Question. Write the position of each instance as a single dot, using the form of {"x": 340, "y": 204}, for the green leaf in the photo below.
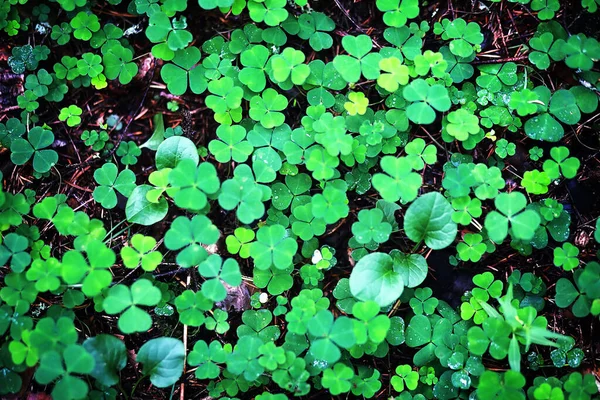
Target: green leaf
{"x": 523, "y": 223}
{"x": 374, "y": 278}
{"x": 121, "y": 299}
{"x": 110, "y": 355}
{"x": 544, "y": 127}
{"x": 273, "y": 248}
{"x": 162, "y": 360}
{"x": 429, "y": 218}
{"x": 399, "y": 182}
{"x": 174, "y": 149}
{"x": 141, "y": 211}
{"x": 412, "y": 267}
{"x": 563, "y": 106}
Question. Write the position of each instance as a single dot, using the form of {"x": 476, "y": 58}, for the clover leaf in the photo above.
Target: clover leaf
{"x": 84, "y": 24}
{"x": 535, "y": 182}
{"x": 396, "y": 74}
{"x": 109, "y": 180}
{"x": 45, "y": 273}
{"x": 471, "y": 248}
{"x": 424, "y": 99}
{"x": 190, "y": 235}
{"x": 566, "y": 257}
{"x": 331, "y": 205}
{"x": 313, "y": 26}
{"x": 399, "y": 181}
{"x": 225, "y": 95}
{"x": 14, "y": 248}
{"x": 523, "y": 222}
{"x": 214, "y": 269}
{"x": 265, "y": 108}
{"x": 338, "y": 379}
{"x": 74, "y": 359}
{"x": 359, "y": 60}
{"x": 405, "y": 376}
{"x": 242, "y": 192}
{"x": 373, "y": 327}
{"x": 126, "y": 301}
{"x": 240, "y": 242}
{"x": 397, "y": 12}
{"x": 419, "y": 154}
{"x": 91, "y": 270}
{"x": 35, "y": 145}
{"x": 141, "y": 253}
{"x": 329, "y": 335}
{"x": 273, "y": 247}
{"x": 561, "y": 164}
{"x": 183, "y": 72}
{"x": 464, "y": 36}
{"x": 191, "y": 307}
{"x": 129, "y": 152}
{"x": 206, "y": 357}
{"x": 271, "y": 12}
{"x": 371, "y": 227}
{"x": 231, "y": 144}
{"x": 190, "y": 184}
{"x": 462, "y": 124}
{"x": 289, "y": 64}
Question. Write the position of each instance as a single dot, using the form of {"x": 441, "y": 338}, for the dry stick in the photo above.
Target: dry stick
{"x": 185, "y": 337}
{"x": 347, "y": 14}
{"x": 500, "y": 60}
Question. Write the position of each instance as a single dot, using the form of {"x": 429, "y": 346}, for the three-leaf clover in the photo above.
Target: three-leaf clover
{"x": 126, "y": 300}
{"x": 566, "y": 256}
{"x": 14, "y": 248}
{"x": 424, "y": 99}
{"x": 141, "y": 253}
{"x": 338, "y": 379}
{"x": 419, "y": 153}
{"x": 231, "y": 144}
{"x": 357, "y": 103}
{"x": 371, "y": 226}
{"x": 273, "y": 247}
{"x": 471, "y": 248}
{"x": 182, "y": 72}
{"x": 561, "y": 163}
{"x": 35, "y": 145}
{"x": 190, "y": 184}
{"x": 265, "y": 108}
{"x": 523, "y": 222}
{"x": 91, "y": 270}
{"x": 190, "y": 235}
{"x": 71, "y": 114}
{"x": 397, "y": 12}
{"x": 396, "y": 74}
{"x": 405, "y": 376}
{"x": 399, "y": 181}
{"x": 109, "y": 179}
{"x": 214, "y": 269}
{"x": 359, "y": 59}
{"x": 84, "y": 24}
{"x": 191, "y": 307}
{"x": 290, "y": 65}
{"x": 74, "y": 359}
{"x": 462, "y": 124}
{"x": 129, "y": 152}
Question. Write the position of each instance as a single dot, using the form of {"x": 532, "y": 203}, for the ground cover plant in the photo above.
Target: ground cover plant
{"x": 271, "y": 199}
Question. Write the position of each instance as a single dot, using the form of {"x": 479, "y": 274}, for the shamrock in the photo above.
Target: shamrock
{"x": 126, "y": 300}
